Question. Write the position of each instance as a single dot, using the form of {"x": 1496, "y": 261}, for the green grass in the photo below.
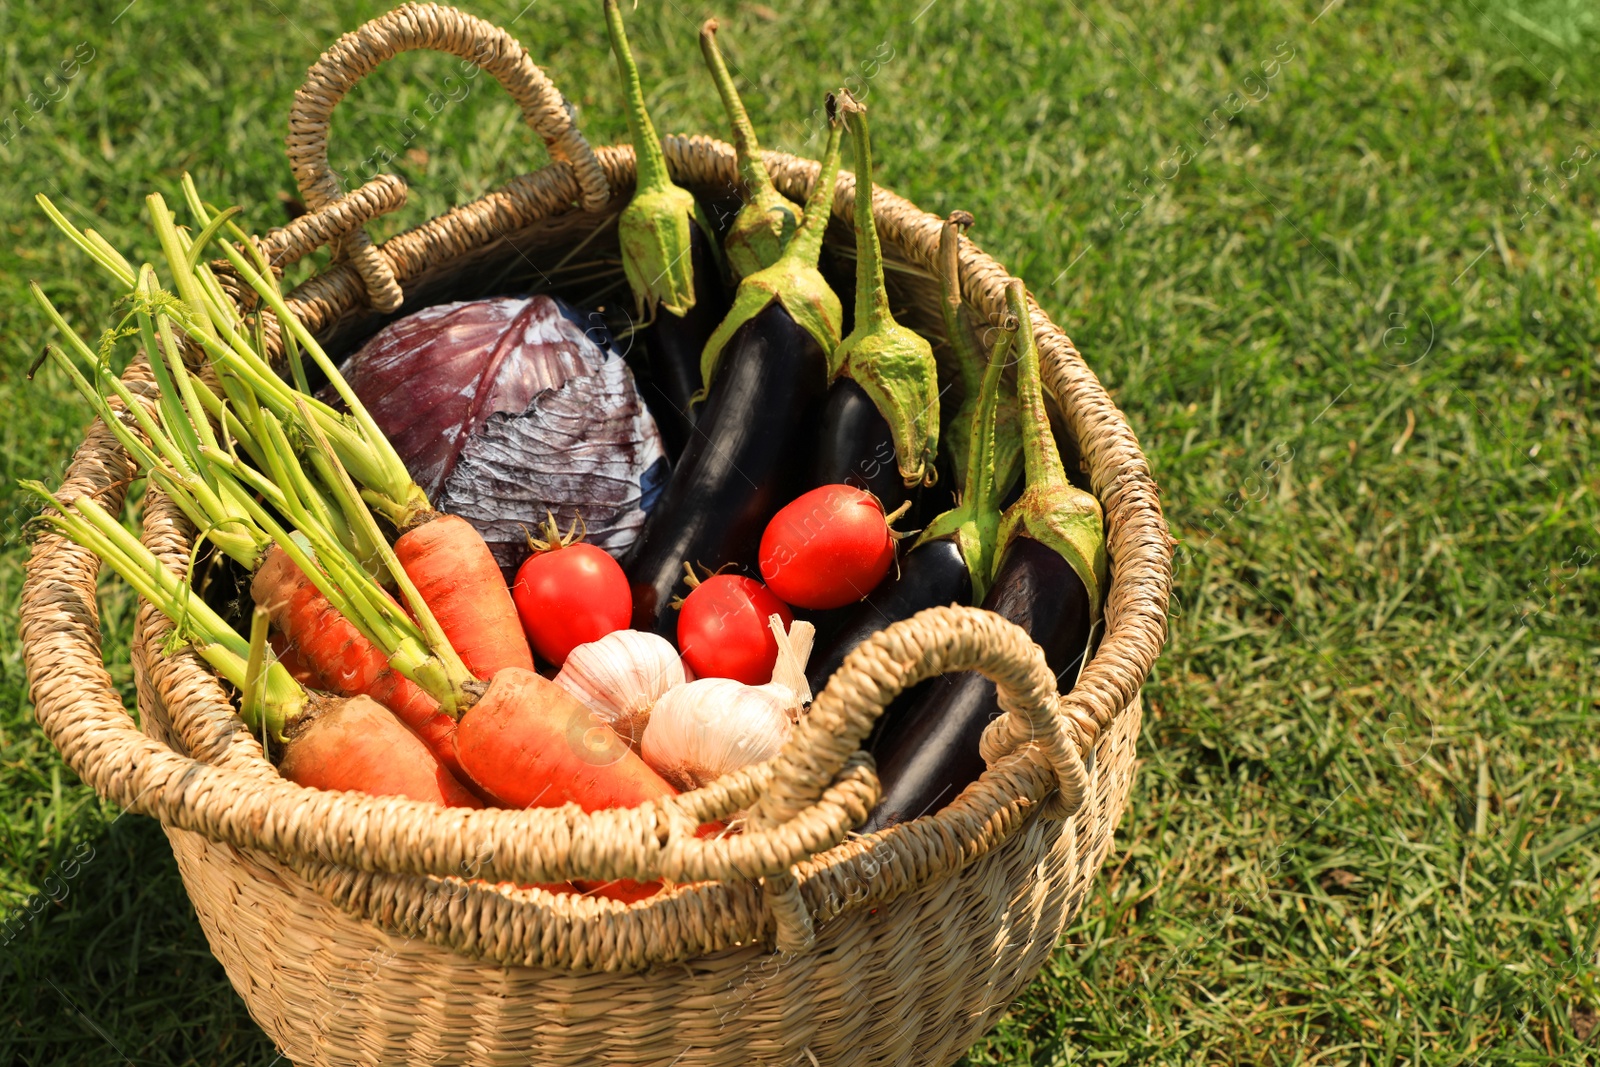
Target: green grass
{"x": 1356, "y": 325}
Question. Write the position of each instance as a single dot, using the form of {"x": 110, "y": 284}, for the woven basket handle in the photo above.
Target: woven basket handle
{"x": 442, "y": 29}
{"x": 334, "y": 220}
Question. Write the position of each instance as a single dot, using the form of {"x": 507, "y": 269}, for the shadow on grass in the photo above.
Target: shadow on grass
{"x": 110, "y": 967}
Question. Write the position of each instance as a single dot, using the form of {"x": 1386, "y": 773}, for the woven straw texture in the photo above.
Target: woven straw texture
{"x": 365, "y": 930}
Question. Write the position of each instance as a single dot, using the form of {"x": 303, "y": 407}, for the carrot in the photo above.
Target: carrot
{"x": 341, "y": 659}
{"x": 289, "y": 656}
{"x": 181, "y": 455}
{"x": 357, "y": 744}
{"x": 623, "y": 889}
{"x": 526, "y": 741}
{"x": 530, "y": 743}
{"x": 461, "y": 583}
{"x": 325, "y": 742}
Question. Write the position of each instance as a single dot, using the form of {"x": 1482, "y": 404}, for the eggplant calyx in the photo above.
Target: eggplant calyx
{"x": 1067, "y": 520}
{"x": 794, "y": 280}
{"x": 1007, "y": 444}
{"x": 767, "y": 219}
{"x": 893, "y": 365}
{"x": 895, "y": 368}
{"x": 1051, "y": 510}
{"x": 654, "y": 229}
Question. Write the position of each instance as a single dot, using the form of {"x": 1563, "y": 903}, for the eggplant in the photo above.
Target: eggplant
{"x": 952, "y": 560}
{"x": 1049, "y": 581}
{"x": 881, "y": 362}
{"x": 854, "y": 447}
{"x": 928, "y": 755}
{"x": 767, "y": 219}
{"x": 737, "y": 469}
{"x": 930, "y": 576}
{"x": 766, "y": 366}
{"x": 673, "y": 344}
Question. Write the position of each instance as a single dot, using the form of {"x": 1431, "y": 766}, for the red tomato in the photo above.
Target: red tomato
{"x": 827, "y": 548}
{"x": 569, "y": 596}
{"x": 723, "y": 632}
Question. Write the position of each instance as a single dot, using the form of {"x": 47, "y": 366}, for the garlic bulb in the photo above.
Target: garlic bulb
{"x": 621, "y": 676}
{"x": 698, "y": 732}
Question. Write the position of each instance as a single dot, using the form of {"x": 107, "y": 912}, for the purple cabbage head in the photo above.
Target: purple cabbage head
{"x": 510, "y": 408}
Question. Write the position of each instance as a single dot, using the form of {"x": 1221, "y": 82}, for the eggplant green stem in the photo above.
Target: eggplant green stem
{"x": 751, "y": 170}
{"x": 1051, "y": 510}
{"x": 1041, "y": 459}
{"x": 767, "y": 219}
{"x": 793, "y": 281}
{"x": 650, "y": 164}
{"x": 981, "y": 485}
{"x": 655, "y": 231}
{"x": 872, "y": 298}
{"x": 968, "y": 364}
{"x": 892, "y": 365}
{"x": 806, "y": 245}
{"x": 974, "y": 523}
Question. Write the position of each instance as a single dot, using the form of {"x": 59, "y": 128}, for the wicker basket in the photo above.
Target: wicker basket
{"x": 362, "y": 930}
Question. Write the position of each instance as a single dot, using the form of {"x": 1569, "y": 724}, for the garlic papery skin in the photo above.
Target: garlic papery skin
{"x": 700, "y": 731}
{"x": 621, "y": 677}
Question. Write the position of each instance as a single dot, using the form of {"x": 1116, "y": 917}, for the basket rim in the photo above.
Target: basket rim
{"x": 61, "y": 625}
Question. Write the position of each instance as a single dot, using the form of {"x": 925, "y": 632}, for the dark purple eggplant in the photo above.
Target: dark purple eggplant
{"x": 881, "y": 362}
{"x": 767, "y": 369}
{"x": 1049, "y": 581}
{"x": 952, "y": 561}
{"x": 928, "y": 755}
{"x": 930, "y": 576}
{"x": 738, "y": 467}
{"x": 673, "y": 344}
{"x": 854, "y": 447}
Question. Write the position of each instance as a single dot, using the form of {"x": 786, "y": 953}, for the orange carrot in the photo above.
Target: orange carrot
{"x": 529, "y": 743}
{"x": 341, "y": 660}
{"x": 359, "y": 745}
{"x": 328, "y": 743}
{"x": 461, "y": 583}
{"x": 623, "y": 889}
{"x": 289, "y": 656}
